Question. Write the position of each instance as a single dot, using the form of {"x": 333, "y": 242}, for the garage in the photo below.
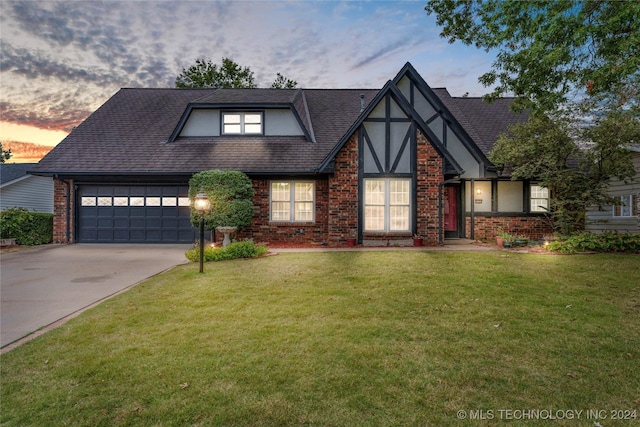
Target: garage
{"x": 134, "y": 214}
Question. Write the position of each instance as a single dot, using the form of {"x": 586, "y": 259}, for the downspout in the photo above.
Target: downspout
{"x": 440, "y": 208}
{"x": 472, "y": 232}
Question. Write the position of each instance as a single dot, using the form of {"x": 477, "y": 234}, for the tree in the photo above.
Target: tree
{"x": 576, "y": 175}
{"x": 282, "y": 82}
{"x": 231, "y": 197}
{"x": 206, "y": 74}
{"x": 548, "y": 50}
{"x": 6, "y": 155}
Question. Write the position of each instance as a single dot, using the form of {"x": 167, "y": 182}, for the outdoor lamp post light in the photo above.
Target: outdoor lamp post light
{"x": 202, "y": 206}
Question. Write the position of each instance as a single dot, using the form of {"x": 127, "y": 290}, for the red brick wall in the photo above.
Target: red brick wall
{"x": 264, "y": 231}
{"x": 486, "y": 227}
{"x": 429, "y": 177}
{"x": 62, "y": 208}
{"x": 343, "y": 195}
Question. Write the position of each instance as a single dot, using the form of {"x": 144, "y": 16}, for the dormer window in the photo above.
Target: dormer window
{"x": 242, "y": 123}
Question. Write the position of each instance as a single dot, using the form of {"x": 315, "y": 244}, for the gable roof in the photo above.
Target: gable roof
{"x": 136, "y": 131}
{"x": 129, "y": 134}
{"x": 13, "y": 171}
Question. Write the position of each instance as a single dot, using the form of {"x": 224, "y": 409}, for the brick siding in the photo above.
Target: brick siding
{"x": 487, "y": 227}
{"x": 61, "y": 191}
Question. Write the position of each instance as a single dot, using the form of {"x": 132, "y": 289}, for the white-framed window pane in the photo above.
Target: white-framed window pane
{"x": 399, "y": 218}
{"x": 231, "y": 119}
{"x": 253, "y": 118}
{"x": 374, "y": 218}
{"x": 387, "y": 205}
{"x": 280, "y": 211}
{"x": 304, "y": 191}
{"x": 280, "y": 191}
{"x": 88, "y": 201}
{"x": 374, "y": 192}
{"x": 399, "y": 192}
{"x": 292, "y": 201}
{"x": 539, "y": 198}
{"x": 625, "y": 208}
{"x": 153, "y": 201}
{"x": 104, "y": 201}
{"x": 304, "y": 211}
{"x": 136, "y": 201}
{"x": 232, "y": 128}
{"x": 120, "y": 201}
{"x": 252, "y": 128}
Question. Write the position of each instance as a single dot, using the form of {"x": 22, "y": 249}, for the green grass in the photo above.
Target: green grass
{"x": 343, "y": 339}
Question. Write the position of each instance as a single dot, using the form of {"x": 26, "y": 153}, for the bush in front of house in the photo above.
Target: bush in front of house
{"x": 230, "y": 194}
{"x": 589, "y": 242}
{"x": 28, "y": 228}
{"x": 246, "y": 249}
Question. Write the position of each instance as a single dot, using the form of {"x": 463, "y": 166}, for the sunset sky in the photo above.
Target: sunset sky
{"x": 61, "y": 60}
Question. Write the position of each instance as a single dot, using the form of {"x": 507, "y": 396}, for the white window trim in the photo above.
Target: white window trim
{"x": 533, "y": 207}
{"x": 292, "y": 202}
{"x": 242, "y": 115}
{"x": 387, "y": 206}
{"x": 630, "y": 199}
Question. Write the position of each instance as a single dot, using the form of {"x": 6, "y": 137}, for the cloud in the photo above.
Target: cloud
{"x": 62, "y": 59}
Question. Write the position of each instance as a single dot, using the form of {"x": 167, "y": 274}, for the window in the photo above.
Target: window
{"x": 539, "y": 198}
{"x": 242, "y": 123}
{"x": 627, "y": 206}
{"x": 386, "y": 204}
{"x": 292, "y": 201}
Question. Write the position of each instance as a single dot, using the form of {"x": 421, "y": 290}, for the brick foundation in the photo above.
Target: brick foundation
{"x": 487, "y": 227}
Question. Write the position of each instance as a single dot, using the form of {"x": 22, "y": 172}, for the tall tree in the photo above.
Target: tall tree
{"x": 550, "y": 49}
{"x": 545, "y": 150}
{"x": 281, "y": 82}
{"x": 206, "y": 74}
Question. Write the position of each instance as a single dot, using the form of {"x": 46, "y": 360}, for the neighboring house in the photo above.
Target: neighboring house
{"x": 18, "y": 189}
{"x": 625, "y": 216}
{"x": 379, "y": 165}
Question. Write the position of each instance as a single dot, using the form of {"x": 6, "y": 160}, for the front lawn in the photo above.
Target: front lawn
{"x": 346, "y": 339}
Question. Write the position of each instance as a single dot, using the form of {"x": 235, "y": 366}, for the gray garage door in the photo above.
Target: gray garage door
{"x": 134, "y": 214}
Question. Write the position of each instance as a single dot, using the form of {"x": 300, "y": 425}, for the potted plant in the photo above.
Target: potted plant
{"x": 503, "y": 239}
{"x": 417, "y": 240}
{"x": 352, "y": 240}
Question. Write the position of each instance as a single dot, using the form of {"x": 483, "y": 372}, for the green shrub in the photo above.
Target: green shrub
{"x": 230, "y": 194}
{"x": 588, "y": 242}
{"x": 245, "y": 249}
{"x": 28, "y": 228}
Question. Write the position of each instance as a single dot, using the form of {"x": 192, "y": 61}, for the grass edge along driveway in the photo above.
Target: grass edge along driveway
{"x": 345, "y": 338}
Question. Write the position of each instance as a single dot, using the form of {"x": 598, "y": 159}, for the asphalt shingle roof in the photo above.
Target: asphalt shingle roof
{"x": 12, "y": 171}
{"x": 131, "y": 132}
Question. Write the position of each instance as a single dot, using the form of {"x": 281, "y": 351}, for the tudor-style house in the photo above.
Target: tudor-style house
{"x": 326, "y": 164}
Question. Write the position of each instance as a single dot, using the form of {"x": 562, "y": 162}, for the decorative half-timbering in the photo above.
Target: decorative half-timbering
{"x": 380, "y": 166}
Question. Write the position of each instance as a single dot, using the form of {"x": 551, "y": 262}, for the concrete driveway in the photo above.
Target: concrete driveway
{"x": 45, "y": 286}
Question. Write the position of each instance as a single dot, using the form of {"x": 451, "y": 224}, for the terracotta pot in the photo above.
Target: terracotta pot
{"x": 351, "y": 241}
{"x": 417, "y": 241}
{"x": 499, "y": 241}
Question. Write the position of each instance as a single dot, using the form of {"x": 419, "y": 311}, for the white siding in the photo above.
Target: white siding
{"x": 277, "y": 122}
{"x": 34, "y": 193}
{"x": 281, "y": 123}
{"x": 602, "y": 220}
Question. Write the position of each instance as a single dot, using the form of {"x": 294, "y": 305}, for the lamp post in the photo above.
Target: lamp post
{"x": 202, "y": 206}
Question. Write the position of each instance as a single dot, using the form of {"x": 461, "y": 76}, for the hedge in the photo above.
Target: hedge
{"x": 28, "y": 228}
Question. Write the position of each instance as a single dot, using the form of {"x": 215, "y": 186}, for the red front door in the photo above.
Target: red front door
{"x": 451, "y": 210}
